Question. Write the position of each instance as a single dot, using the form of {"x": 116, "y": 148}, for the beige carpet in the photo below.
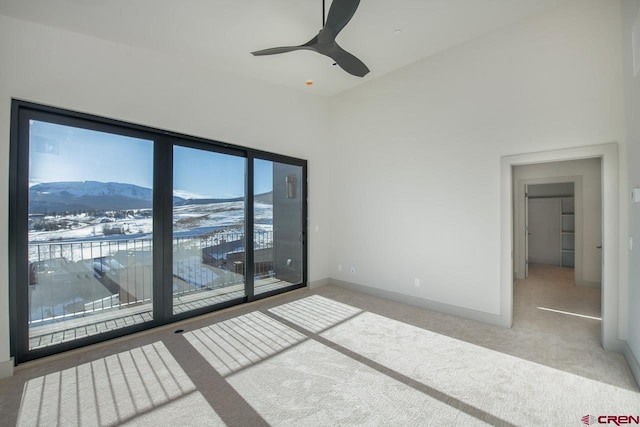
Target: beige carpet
{"x": 509, "y": 389}
{"x": 141, "y": 386}
{"x": 335, "y": 357}
{"x": 293, "y": 380}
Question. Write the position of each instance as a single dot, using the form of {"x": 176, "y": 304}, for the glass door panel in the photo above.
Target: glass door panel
{"x": 89, "y": 232}
{"x": 208, "y": 228}
{"x": 278, "y": 226}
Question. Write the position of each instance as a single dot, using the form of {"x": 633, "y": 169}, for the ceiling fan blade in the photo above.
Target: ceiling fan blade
{"x": 310, "y": 45}
{"x": 340, "y": 13}
{"x": 345, "y": 60}
{"x": 276, "y": 50}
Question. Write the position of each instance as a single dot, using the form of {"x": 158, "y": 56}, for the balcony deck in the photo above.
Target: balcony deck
{"x": 103, "y": 320}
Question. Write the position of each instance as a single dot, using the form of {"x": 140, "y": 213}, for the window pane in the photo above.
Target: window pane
{"x": 90, "y": 232}
{"x": 208, "y": 228}
{"x": 278, "y": 225}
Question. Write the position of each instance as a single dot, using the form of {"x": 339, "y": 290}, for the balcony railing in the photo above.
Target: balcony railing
{"x": 77, "y": 279}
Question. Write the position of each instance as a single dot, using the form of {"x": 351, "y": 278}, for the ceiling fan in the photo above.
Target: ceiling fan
{"x": 340, "y": 13}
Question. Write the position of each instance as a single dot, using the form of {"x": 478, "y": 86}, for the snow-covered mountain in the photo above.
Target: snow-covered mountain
{"x": 93, "y": 188}
{"x": 46, "y": 198}
{"x": 86, "y": 195}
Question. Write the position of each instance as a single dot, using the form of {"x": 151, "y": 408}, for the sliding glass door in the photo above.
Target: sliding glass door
{"x": 90, "y": 204}
{"x": 279, "y": 225}
{"x": 209, "y": 233}
{"x": 116, "y": 228}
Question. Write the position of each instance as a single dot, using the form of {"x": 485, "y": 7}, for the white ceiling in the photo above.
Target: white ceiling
{"x": 220, "y": 34}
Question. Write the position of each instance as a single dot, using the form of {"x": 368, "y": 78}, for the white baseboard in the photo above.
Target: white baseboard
{"x": 6, "y": 368}
{"x": 480, "y": 316}
{"x": 318, "y": 283}
{"x": 632, "y": 361}
{"x": 588, "y": 284}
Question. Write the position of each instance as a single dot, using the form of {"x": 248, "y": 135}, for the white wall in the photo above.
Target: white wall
{"x": 545, "y": 226}
{"x": 631, "y": 15}
{"x": 587, "y": 175}
{"x": 416, "y": 154}
{"x": 58, "y": 68}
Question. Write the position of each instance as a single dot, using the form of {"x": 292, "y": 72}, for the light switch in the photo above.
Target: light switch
{"x": 635, "y": 195}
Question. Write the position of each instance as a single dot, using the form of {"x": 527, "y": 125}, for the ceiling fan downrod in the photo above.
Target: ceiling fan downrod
{"x": 323, "y": 14}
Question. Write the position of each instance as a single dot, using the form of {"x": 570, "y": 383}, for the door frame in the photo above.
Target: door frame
{"x": 526, "y": 232}
{"x": 521, "y": 246}
{"x": 608, "y": 153}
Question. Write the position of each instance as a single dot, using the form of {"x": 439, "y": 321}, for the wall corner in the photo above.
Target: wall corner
{"x": 6, "y": 368}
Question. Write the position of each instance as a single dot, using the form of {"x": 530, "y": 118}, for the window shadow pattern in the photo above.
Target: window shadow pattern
{"x": 144, "y": 385}
{"x": 243, "y": 341}
{"x": 316, "y": 313}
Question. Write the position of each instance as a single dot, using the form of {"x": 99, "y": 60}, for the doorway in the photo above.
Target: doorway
{"x": 512, "y": 244}
{"x": 549, "y": 299}
{"x": 550, "y": 225}
{"x": 573, "y": 190}
{"x": 553, "y": 290}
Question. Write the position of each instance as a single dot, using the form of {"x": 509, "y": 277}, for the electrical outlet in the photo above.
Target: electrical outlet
{"x": 339, "y": 267}
{"x": 353, "y": 270}
{"x": 416, "y": 282}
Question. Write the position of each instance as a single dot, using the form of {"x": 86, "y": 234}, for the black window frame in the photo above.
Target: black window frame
{"x": 164, "y": 141}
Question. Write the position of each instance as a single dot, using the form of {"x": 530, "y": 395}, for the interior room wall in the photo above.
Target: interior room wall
{"x": 551, "y": 211}
{"x": 551, "y": 224}
{"x": 416, "y": 154}
{"x": 67, "y": 70}
{"x": 631, "y": 26}
{"x": 545, "y": 226}
{"x": 588, "y": 207}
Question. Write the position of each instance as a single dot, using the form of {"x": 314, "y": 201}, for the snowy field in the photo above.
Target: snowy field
{"x": 86, "y": 239}
{"x": 83, "y": 250}
{"x": 187, "y": 219}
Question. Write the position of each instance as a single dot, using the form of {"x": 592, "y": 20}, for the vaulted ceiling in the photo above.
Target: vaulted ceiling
{"x": 220, "y": 34}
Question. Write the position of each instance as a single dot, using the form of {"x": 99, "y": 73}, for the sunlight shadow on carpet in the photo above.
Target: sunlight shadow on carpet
{"x": 312, "y": 384}
{"x": 512, "y": 389}
{"x": 290, "y": 379}
{"x": 237, "y": 343}
{"x": 144, "y": 384}
{"x": 584, "y": 316}
{"x": 316, "y": 313}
